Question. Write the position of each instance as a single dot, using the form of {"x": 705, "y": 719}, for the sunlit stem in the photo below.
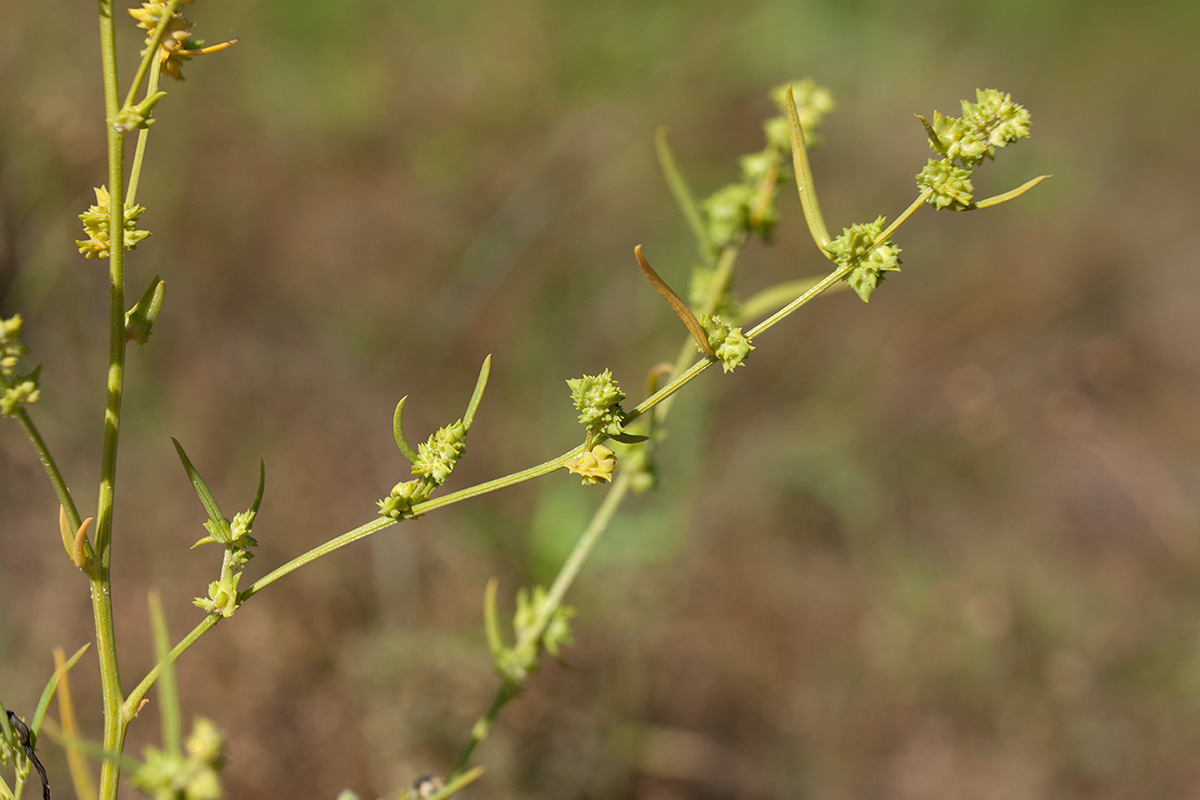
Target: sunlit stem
{"x": 101, "y": 589}
{"x": 139, "y": 154}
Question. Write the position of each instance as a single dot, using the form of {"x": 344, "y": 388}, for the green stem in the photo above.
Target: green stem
{"x": 134, "y": 699}
{"x": 566, "y": 576}
{"x": 139, "y": 154}
{"x": 360, "y": 532}
{"x": 483, "y": 726}
{"x": 787, "y": 310}
{"x": 51, "y": 467}
{"x": 106, "y": 651}
{"x": 545, "y": 468}
{"x": 574, "y": 563}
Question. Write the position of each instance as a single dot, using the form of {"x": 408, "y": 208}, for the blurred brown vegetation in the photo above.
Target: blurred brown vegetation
{"x": 941, "y": 546}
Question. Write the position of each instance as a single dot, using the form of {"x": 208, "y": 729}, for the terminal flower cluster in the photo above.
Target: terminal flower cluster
{"x": 992, "y": 122}
{"x": 436, "y": 459}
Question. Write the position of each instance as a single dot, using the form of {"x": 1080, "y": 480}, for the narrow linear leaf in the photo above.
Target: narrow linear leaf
{"x": 1017, "y": 192}
{"x": 206, "y": 497}
{"x": 491, "y": 625}
{"x": 804, "y": 179}
{"x": 262, "y": 483}
{"x": 168, "y": 695}
{"x": 85, "y": 787}
{"x": 398, "y": 432}
{"x": 39, "y": 713}
{"x": 477, "y": 395}
{"x": 676, "y": 303}
{"x": 64, "y": 527}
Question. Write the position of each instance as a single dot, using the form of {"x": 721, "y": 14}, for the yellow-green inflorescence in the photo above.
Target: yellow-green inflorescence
{"x": 95, "y": 225}
{"x": 17, "y": 388}
{"x": 593, "y": 466}
{"x": 992, "y": 122}
{"x": 435, "y": 461}
{"x": 193, "y": 775}
{"x": 235, "y": 535}
{"x": 598, "y": 400}
{"x": 176, "y": 39}
{"x": 729, "y": 343}
{"x": 868, "y": 260}
{"x": 558, "y": 629}
{"x": 515, "y": 664}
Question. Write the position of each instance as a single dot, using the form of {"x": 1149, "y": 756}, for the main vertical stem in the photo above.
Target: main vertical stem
{"x": 110, "y": 677}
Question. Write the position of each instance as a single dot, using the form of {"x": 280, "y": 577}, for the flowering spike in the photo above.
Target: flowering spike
{"x": 950, "y": 185}
{"x": 437, "y": 457}
{"x": 859, "y": 248}
{"x": 598, "y": 400}
{"x": 731, "y": 345}
{"x": 95, "y": 225}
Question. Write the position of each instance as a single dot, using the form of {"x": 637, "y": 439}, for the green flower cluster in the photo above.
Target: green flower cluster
{"x": 729, "y": 343}
{"x": 17, "y": 388}
{"x": 235, "y": 536}
{"x": 95, "y": 225}
{"x": 194, "y": 776}
{"x": 558, "y": 629}
{"x": 951, "y": 185}
{"x": 857, "y": 248}
{"x": 436, "y": 459}
{"x": 598, "y": 400}
{"x": 515, "y": 664}
{"x": 747, "y": 207}
{"x": 992, "y": 122}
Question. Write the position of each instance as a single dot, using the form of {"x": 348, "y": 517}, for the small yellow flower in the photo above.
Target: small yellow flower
{"x": 95, "y": 225}
{"x": 594, "y": 466}
{"x": 176, "y": 46}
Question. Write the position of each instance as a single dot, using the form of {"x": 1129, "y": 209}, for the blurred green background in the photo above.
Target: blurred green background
{"x": 941, "y": 546}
